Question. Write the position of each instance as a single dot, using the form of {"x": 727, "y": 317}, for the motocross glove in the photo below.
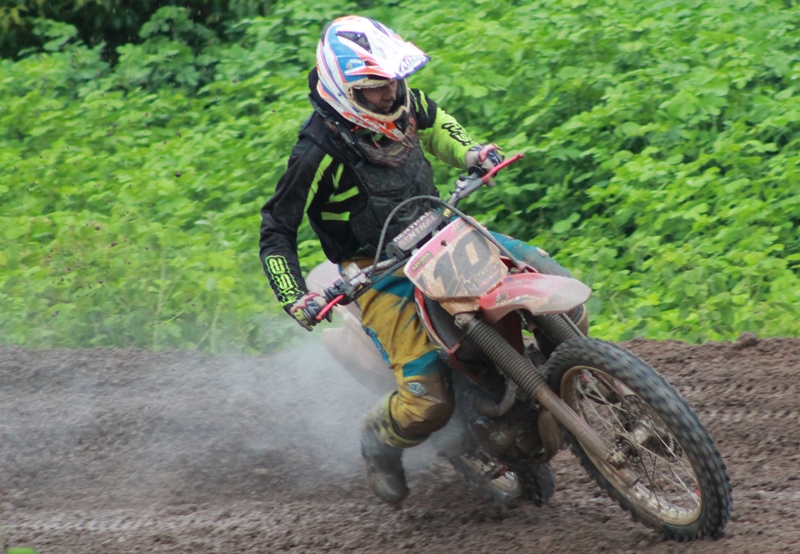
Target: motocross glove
{"x": 306, "y": 309}
{"x": 484, "y": 157}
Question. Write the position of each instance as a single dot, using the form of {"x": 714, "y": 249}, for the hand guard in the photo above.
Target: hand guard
{"x": 306, "y": 309}
{"x": 484, "y": 157}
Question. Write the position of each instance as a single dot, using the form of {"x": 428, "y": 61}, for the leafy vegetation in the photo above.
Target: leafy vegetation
{"x": 112, "y": 22}
{"x": 661, "y": 162}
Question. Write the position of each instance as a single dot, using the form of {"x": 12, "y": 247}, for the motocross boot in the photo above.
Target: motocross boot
{"x": 382, "y": 449}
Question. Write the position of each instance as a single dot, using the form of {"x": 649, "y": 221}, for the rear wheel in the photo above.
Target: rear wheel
{"x": 677, "y": 482}
{"x": 537, "y": 480}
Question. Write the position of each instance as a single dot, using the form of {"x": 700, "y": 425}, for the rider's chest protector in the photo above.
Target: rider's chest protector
{"x": 385, "y": 187}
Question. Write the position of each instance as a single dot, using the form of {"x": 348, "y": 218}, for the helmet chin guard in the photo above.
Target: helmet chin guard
{"x": 356, "y": 52}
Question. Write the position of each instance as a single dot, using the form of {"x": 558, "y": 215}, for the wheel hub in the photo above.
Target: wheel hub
{"x": 644, "y": 431}
{"x": 625, "y": 451}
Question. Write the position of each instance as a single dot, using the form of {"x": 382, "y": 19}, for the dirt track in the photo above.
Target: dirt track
{"x": 111, "y": 451}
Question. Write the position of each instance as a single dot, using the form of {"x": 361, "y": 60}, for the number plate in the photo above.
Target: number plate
{"x": 458, "y": 262}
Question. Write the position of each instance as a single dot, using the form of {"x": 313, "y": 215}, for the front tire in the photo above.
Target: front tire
{"x": 683, "y": 489}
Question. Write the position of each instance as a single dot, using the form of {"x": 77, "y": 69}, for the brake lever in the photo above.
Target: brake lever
{"x": 343, "y": 291}
{"x": 492, "y": 172}
{"x": 328, "y": 307}
{"x": 467, "y": 185}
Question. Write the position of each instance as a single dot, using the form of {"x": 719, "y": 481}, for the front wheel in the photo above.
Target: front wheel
{"x": 676, "y": 481}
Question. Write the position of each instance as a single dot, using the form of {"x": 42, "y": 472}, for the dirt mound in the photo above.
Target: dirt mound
{"x": 112, "y": 451}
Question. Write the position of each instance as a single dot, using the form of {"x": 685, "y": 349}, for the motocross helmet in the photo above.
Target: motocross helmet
{"x": 355, "y": 53}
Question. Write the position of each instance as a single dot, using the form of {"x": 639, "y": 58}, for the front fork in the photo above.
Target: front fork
{"x": 522, "y": 371}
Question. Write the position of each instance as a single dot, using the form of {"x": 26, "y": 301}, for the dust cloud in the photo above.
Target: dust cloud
{"x": 305, "y": 400}
{"x": 178, "y": 423}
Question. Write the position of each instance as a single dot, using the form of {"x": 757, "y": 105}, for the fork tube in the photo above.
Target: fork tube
{"x": 520, "y": 369}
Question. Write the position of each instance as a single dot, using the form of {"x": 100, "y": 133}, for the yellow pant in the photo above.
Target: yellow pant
{"x": 423, "y": 402}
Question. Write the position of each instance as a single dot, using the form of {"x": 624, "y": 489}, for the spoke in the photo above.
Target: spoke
{"x": 615, "y": 386}
{"x": 657, "y": 472}
{"x": 613, "y": 409}
{"x": 678, "y": 461}
{"x": 656, "y": 457}
{"x": 653, "y": 484}
{"x": 668, "y": 496}
{"x": 693, "y": 497}
{"x": 686, "y": 488}
{"x": 602, "y": 420}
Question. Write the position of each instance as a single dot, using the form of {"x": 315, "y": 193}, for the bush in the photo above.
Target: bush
{"x": 661, "y": 145}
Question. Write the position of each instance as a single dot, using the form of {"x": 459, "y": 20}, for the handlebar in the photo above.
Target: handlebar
{"x": 342, "y": 290}
{"x": 467, "y": 185}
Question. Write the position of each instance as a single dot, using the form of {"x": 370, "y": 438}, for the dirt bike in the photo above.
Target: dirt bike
{"x": 527, "y": 380}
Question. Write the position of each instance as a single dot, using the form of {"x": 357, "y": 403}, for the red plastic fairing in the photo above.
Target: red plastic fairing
{"x": 419, "y": 297}
{"x": 536, "y": 292}
{"x": 457, "y": 263}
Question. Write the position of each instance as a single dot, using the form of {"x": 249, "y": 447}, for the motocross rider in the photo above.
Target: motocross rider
{"x": 358, "y": 155}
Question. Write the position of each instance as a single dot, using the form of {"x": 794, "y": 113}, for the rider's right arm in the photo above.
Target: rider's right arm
{"x": 282, "y": 215}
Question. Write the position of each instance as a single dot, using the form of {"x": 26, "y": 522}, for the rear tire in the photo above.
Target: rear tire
{"x": 683, "y": 490}
{"x": 537, "y": 480}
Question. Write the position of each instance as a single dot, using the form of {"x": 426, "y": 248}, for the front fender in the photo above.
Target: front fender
{"x": 536, "y": 292}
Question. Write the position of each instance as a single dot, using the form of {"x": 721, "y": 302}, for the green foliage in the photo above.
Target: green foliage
{"x": 174, "y": 51}
{"x": 661, "y": 146}
{"x": 661, "y": 167}
{"x": 131, "y": 214}
{"x": 112, "y": 22}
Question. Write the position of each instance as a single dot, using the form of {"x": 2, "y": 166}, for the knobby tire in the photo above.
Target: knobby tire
{"x": 693, "y": 440}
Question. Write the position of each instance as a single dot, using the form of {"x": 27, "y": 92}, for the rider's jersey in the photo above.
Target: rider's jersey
{"x": 344, "y": 195}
